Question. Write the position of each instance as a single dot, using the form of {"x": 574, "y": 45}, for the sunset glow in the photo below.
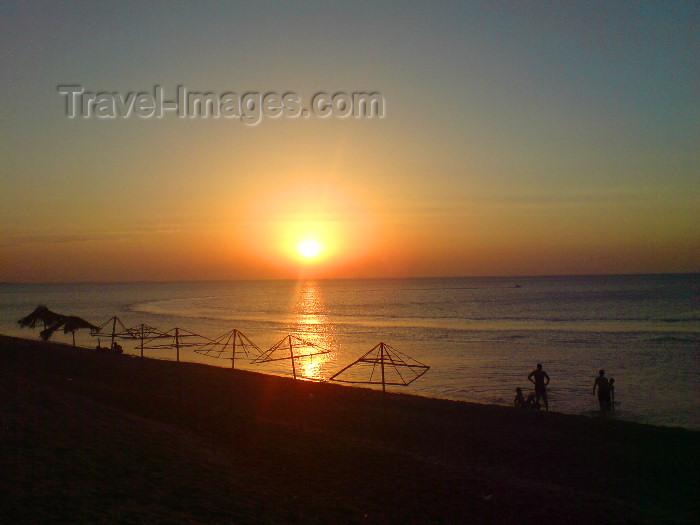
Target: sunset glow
{"x": 511, "y": 142}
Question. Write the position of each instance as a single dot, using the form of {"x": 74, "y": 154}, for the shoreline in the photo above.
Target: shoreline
{"x": 90, "y": 436}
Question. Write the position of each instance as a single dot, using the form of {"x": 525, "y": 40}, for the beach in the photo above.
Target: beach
{"x": 480, "y": 336}
{"x": 99, "y": 437}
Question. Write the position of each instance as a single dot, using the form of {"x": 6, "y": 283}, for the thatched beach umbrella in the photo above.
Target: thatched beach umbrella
{"x": 70, "y": 324}
{"x": 41, "y": 314}
{"x": 74, "y": 323}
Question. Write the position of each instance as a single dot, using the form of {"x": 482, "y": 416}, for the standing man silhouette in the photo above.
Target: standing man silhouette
{"x": 540, "y": 379}
{"x": 603, "y": 391}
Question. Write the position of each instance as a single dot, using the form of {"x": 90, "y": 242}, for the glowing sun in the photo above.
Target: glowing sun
{"x": 309, "y": 248}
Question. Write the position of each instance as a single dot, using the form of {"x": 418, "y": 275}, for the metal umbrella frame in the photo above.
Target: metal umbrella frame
{"x": 99, "y": 332}
{"x": 385, "y": 361}
{"x": 180, "y": 338}
{"x": 140, "y": 332}
{"x": 239, "y": 343}
{"x": 287, "y": 345}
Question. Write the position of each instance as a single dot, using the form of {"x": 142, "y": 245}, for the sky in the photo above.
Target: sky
{"x": 517, "y": 138}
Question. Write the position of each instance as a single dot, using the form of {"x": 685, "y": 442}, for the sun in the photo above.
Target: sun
{"x": 309, "y": 248}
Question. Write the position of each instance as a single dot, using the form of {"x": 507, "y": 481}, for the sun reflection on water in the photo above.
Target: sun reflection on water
{"x": 308, "y": 311}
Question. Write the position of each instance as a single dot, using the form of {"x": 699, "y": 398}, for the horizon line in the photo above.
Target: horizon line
{"x": 291, "y": 279}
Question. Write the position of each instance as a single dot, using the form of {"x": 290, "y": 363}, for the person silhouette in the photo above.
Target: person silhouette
{"x": 603, "y": 390}
{"x": 531, "y": 402}
{"x": 540, "y": 379}
{"x": 611, "y": 386}
{"x": 519, "y": 401}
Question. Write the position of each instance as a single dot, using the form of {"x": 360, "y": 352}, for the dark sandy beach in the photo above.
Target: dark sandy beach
{"x": 91, "y": 437}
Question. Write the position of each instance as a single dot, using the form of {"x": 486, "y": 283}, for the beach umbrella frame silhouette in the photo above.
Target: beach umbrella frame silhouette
{"x": 385, "y": 357}
{"x": 181, "y": 338}
{"x": 142, "y": 332}
{"x": 239, "y": 342}
{"x": 288, "y": 344}
{"x": 114, "y": 320}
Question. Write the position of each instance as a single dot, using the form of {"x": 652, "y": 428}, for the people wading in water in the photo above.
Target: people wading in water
{"x": 540, "y": 379}
{"x": 603, "y": 390}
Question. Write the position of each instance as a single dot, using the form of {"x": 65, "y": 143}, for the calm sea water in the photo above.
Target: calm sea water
{"x": 480, "y": 336}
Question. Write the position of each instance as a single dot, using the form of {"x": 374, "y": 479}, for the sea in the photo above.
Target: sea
{"x": 480, "y": 337}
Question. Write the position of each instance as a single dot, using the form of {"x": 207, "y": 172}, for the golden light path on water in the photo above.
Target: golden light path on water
{"x": 308, "y": 308}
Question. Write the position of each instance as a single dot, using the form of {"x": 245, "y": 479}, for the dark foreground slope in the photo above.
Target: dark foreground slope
{"x": 88, "y": 437}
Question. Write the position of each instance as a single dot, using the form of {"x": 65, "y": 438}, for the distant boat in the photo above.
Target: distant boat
{"x": 517, "y": 286}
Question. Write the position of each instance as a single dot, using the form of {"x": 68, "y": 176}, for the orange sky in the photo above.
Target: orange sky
{"x": 557, "y": 139}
